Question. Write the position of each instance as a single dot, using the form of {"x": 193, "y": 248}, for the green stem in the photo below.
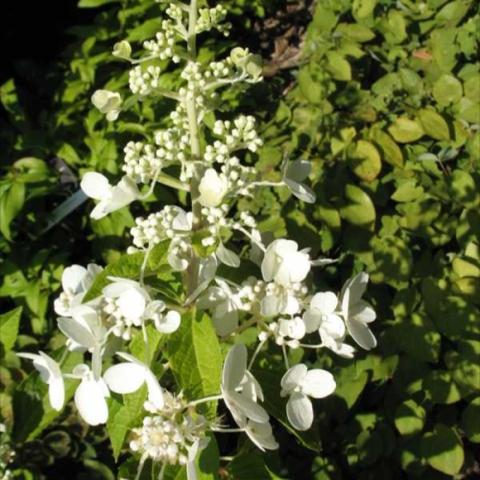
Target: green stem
{"x": 190, "y": 105}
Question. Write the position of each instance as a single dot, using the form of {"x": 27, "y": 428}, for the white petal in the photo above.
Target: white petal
{"x": 132, "y": 304}
{"x": 312, "y": 320}
{"x": 248, "y": 407}
{"x": 357, "y": 286}
{"x": 116, "y": 289}
{"x": 299, "y": 267}
{"x": 75, "y": 331}
{"x": 362, "y": 312}
{"x": 251, "y": 387}
{"x": 91, "y": 403}
{"x": 271, "y": 305}
{"x": 56, "y": 393}
{"x": 318, "y": 383}
{"x": 293, "y": 377}
{"x": 234, "y": 367}
{"x": 155, "y": 392}
{"x": 182, "y": 221}
{"x": 127, "y": 190}
{"x": 96, "y": 185}
{"x": 101, "y": 210}
{"x": 177, "y": 263}
{"x": 324, "y": 302}
{"x": 361, "y": 334}
{"x": 168, "y": 323}
{"x": 125, "y": 377}
{"x": 261, "y": 435}
{"x": 333, "y": 326}
{"x": 72, "y": 278}
{"x": 269, "y": 265}
{"x": 227, "y": 257}
{"x": 225, "y": 320}
{"x": 300, "y": 411}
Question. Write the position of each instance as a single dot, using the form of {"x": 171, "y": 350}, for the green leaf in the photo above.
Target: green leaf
{"x": 356, "y": 32}
{"x": 360, "y": 210}
{"x": 434, "y": 125}
{"x": 471, "y": 420}
{"x": 447, "y": 89}
{"x": 409, "y": 418}
{"x": 405, "y": 130}
{"x": 443, "y": 450}
{"x": 123, "y": 416}
{"x": 129, "y": 266}
{"x": 194, "y": 355}
{"x": 250, "y": 466}
{"x": 9, "y": 323}
{"x": 391, "y": 152}
{"x": 338, "y": 67}
{"x": 363, "y": 8}
{"x": 440, "y": 387}
{"x": 11, "y": 203}
{"x": 365, "y": 161}
{"x": 350, "y": 384}
{"x": 95, "y": 3}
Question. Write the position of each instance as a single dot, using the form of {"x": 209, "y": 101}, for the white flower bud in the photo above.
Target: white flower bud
{"x": 108, "y": 103}
{"x": 213, "y": 188}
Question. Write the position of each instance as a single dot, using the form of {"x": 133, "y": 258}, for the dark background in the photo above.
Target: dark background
{"x": 34, "y": 33}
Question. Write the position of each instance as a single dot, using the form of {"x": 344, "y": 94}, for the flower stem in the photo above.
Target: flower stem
{"x": 285, "y": 357}
{"x": 212, "y": 398}
{"x": 257, "y": 351}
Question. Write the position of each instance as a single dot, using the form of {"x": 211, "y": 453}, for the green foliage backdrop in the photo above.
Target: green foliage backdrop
{"x": 383, "y": 98}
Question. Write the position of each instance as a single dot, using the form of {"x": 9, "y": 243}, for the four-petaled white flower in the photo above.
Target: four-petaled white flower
{"x": 358, "y": 313}
{"x": 240, "y": 390}
{"x": 133, "y": 305}
{"x": 212, "y": 188}
{"x": 284, "y": 264}
{"x": 111, "y": 197}
{"x": 51, "y": 374}
{"x": 129, "y": 376}
{"x": 322, "y": 316}
{"x": 76, "y": 280}
{"x": 300, "y": 384}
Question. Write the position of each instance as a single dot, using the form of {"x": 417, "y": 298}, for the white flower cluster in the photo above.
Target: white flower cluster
{"x": 289, "y": 313}
{"x": 142, "y": 161}
{"x": 209, "y": 18}
{"x": 144, "y": 81}
{"x": 241, "y": 133}
{"x": 280, "y": 305}
{"x": 169, "y": 434}
{"x": 163, "y": 46}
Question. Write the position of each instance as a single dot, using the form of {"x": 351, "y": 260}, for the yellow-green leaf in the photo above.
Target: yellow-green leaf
{"x": 405, "y": 130}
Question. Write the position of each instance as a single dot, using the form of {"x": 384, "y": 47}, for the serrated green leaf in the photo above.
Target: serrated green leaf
{"x": 9, "y": 323}
{"x": 194, "y": 355}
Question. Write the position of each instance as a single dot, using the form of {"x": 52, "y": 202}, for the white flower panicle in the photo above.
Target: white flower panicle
{"x": 209, "y": 158}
